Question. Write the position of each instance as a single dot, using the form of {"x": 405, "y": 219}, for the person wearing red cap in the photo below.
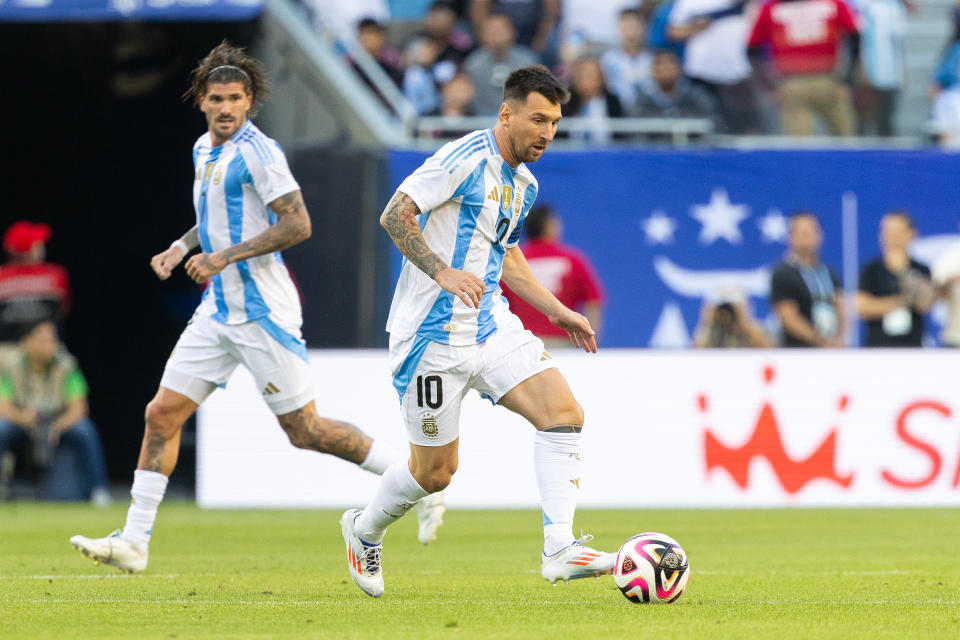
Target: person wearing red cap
{"x": 31, "y": 289}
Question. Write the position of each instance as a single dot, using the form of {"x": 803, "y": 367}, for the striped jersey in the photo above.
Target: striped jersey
{"x": 472, "y": 207}
{"x": 232, "y": 187}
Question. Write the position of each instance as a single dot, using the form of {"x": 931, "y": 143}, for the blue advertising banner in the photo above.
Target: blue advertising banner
{"x": 107, "y": 10}
{"x": 668, "y": 229}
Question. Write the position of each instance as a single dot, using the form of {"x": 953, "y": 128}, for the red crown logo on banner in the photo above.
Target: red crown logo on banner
{"x": 765, "y": 442}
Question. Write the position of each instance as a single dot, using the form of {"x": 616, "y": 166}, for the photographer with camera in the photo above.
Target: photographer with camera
{"x": 43, "y": 397}
{"x": 727, "y": 322}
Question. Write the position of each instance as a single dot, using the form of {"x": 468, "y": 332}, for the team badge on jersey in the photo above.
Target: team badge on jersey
{"x": 217, "y": 175}
{"x": 429, "y": 425}
{"x": 506, "y": 196}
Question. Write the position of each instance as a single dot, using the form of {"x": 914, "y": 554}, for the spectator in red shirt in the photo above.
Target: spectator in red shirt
{"x": 31, "y": 290}
{"x": 805, "y": 37}
{"x": 563, "y": 270}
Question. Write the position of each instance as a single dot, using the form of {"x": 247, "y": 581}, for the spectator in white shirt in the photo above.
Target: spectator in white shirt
{"x": 627, "y": 67}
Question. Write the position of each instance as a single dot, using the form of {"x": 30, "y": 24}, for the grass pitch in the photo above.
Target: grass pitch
{"x": 282, "y": 574}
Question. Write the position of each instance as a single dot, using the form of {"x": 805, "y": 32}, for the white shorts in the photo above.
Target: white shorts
{"x": 432, "y": 378}
{"x": 208, "y": 351}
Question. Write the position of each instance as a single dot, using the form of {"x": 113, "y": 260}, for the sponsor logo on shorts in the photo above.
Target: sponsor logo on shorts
{"x": 429, "y": 425}
{"x": 575, "y": 482}
{"x": 545, "y": 356}
{"x": 270, "y": 389}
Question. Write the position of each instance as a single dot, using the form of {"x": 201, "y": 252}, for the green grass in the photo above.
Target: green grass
{"x": 282, "y": 574}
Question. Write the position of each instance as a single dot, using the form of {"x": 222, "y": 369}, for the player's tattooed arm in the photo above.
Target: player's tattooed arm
{"x": 292, "y": 227}
{"x": 399, "y": 218}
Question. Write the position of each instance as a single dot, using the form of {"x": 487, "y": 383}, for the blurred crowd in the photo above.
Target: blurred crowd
{"x": 796, "y": 67}
{"x": 47, "y": 439}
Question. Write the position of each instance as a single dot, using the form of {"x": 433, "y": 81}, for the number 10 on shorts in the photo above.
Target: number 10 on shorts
{"x": 430, "y": 389}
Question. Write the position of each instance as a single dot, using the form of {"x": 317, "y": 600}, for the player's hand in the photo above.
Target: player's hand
{"x": 204, "y": 266}
{"x": 463, "y": 284}
{"x": 578, "y": 329}
{"x": 164, "y": 263}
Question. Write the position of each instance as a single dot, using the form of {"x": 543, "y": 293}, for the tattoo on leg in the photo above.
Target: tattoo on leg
{"x": 309, "y": 431}
{"x": 156, "y": 446}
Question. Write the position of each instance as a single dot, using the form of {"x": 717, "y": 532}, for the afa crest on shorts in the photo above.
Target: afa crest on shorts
{"x": 429, "y": 425}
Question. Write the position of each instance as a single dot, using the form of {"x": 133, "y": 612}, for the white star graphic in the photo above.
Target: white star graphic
{"x": 659, "y": 228}
{"x": 773, "y": 226}
{"x": 720, "y": 218}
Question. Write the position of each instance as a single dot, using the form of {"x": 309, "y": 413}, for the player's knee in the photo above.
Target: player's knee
{"x": 300, "y": 437}
{"x": 297, "y": 427}
{"x": 437, "y": 479}
{"x": 161, "y": 418}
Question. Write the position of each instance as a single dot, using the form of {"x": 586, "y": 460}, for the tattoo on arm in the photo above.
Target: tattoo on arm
{"x": 399, "y": 218}
{"x": 292, "y": 227}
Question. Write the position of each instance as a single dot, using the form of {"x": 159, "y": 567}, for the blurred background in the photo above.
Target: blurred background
{"x": 696, "y": 132}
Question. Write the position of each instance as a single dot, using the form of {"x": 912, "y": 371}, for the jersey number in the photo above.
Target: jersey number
{"x": 502, "y": 227}
{"x": 431, "y": 390}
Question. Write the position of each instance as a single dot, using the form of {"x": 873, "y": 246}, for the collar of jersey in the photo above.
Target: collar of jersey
{"x": 235, "y": 137}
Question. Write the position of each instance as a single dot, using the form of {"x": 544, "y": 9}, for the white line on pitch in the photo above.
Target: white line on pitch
{"x": 106, "y": 576}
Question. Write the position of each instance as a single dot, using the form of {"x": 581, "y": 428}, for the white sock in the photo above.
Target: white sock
{"x": 147, "y": 493}
{"x": 380, "y": 456}
{"x": 397, "y": 493}
{"x": 556, "y": 459}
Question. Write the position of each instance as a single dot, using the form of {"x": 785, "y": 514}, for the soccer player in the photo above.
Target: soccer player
{"x": 248, "y": 208}
{"x": 457, "y": 221}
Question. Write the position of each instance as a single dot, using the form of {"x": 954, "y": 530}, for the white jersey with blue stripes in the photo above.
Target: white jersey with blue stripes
{"x": 234, "y": 183}
{"x": 472, "y": 207}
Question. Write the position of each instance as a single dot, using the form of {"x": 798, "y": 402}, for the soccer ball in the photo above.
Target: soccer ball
{"x": 651, "y": 567}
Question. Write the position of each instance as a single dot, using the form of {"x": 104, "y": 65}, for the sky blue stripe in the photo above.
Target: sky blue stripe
{"x": 405, "y": 374}
{"x": 486, "y": 324}
{"x": 257, "y": 140}
{"x": 479, "y": 145}
{"x": 237, "y": 175}
{"x": 458, "y": 149}
{"x": 493, "y": 142}
{"x": 471, "y": 188}
{"x": 286, "y": 340}
{"x": 202, "y": 232}
{"x": 248, "y": 139}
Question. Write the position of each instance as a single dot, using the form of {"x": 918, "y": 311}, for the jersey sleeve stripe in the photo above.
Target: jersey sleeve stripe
{"x": 492, "y": 141}
{"x": 460, "y": 148}
{"x": 479, "y": 145}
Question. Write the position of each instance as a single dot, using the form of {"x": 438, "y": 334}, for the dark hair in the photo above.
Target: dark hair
{"x": 27, "y": 330}
{"x": 226, "y": 63}
{"x": 632, "y": 11}
{"x": 441, "y": 4}
{"x": 534, "y": 79}
{"x": 803, "y": 213}
{"x": 370, "y": 23}
{"x": 536, "y": 221}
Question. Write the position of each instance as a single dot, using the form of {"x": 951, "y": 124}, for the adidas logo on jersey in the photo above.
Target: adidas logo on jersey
{"x": 270, "y": 389}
